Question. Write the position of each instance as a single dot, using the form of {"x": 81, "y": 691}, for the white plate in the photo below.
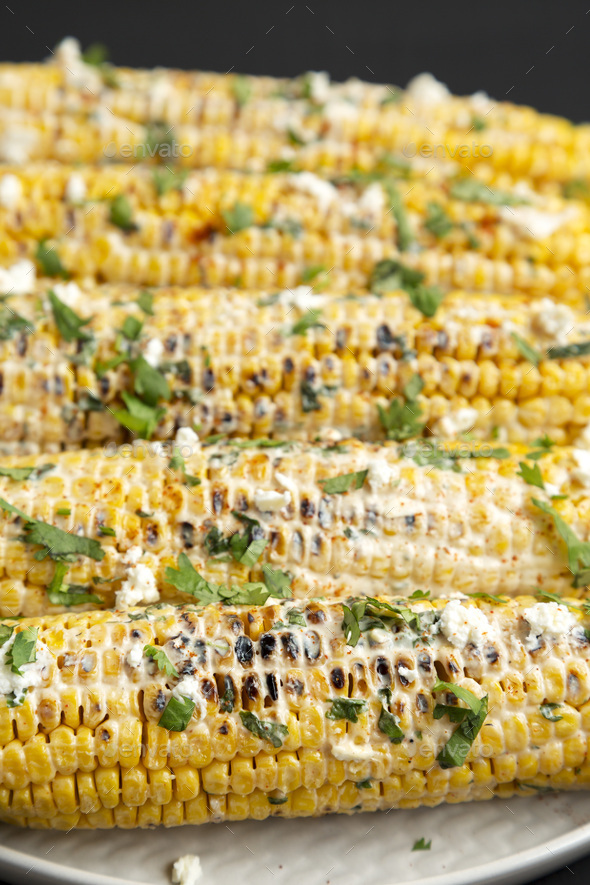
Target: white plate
{"x": 498, "y": 841}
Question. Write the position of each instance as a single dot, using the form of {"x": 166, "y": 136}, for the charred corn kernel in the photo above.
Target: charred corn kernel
{"x": 413, "y": 522}
{"x": 292, "y": 365}
{"x": 521, "y": 744}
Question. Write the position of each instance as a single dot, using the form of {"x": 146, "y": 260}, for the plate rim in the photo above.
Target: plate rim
{"x": 515, "y": 868}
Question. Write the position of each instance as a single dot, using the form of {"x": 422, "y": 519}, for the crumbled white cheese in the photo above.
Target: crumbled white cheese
{"x": 536, "y": 223}
{"x": 69, "y": 293}
{"x": 583, "y": 438}
{"x": 319, "y": 85}
{"x": 269, "y": 500}
{"x": 187, "y": 870}
{"x": 461, "y": 624}
{"x": 190, "y": 687}
{"x": 372, "y": 201}
{"x": 140, "y": 584}
{"x": 481, "y": 103}
{"x": 10, "y": 191}
{"x": 301, "y": 297}
{"x": 380, "y": 474}
{"x": 582, "y": 471}
{"x": 551, "y": 319}
{"x": 547, "y": 620}
{"x": 340, "y": 111}
{"x": 329, "y": 434}
{"x": 310, "y": 183}
{"x": 406, "y": 673}
{"x": 424, "y": 90}
{"x": 32, "y": 674}
{"x": 134, "y": 657}
{"x": 133, "y": 555}
{"x": 153, "y": 352}
{"x": 346, "y": 750}
{"x": 17, "y": 144}
{"x": 19, "y": 279}
{"x": 75, "y": 189}
{"x": 459, "y": 422}
{"x": 186, "y": 438}
{"x": 68, "y": 55}
{"x": 551, "y": 488}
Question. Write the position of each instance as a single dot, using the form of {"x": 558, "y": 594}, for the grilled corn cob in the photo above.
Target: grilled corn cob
{"x": 178, "y": 716}
{"x": 74, "y": 111}
{"x": 227, "y": 228}
{"x": 290, "y": 364}
{"x": 345, "y": 518}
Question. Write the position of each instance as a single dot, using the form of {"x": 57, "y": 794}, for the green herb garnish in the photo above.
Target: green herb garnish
{"x": 528, "y": 352}
{"x": 238, "y": 218}
{"x": 547, "y": 712}
{"x": 338, "y": 485}
{"x": 56, "y": 543}
{"x": 178, "y": 714}
{"x": 67, "y": 321}
{"x": 50, "y": 261}
{"x": 161, "y": 659}
{"x": 470, "y": 722}
{"x": 268, "y": 731}
{"x": 346, "y": 708}
{"x": 121, "y": 213}
{"x": 578, "y": 551}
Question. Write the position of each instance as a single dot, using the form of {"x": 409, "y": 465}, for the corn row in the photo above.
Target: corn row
{"x": 322, "y": 124}
{"x": 89, "y": 739}
{"x": 291, "y": 364}
{"x": 223, "y": 228}
{"x": 421, "y": 517}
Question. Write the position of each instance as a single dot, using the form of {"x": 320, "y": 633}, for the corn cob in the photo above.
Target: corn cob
{"x": 226, "y": 228}
{"x": 414, "y": 516}
{"x": 291, "y": 365}
{"x": 175, "y": 716}
{"x": 246, "y": 121}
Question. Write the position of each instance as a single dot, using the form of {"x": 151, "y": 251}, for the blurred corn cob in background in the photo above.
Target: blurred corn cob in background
{"x": 289, "y": 364}
{"x": 174, "y": 716}
{"x": 156, "y": 226}
{"x": 77, "y": 112}
{"x": 333, "y": 519}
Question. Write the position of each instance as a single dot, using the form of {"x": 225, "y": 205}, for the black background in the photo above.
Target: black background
{"x": 532, "y": 52}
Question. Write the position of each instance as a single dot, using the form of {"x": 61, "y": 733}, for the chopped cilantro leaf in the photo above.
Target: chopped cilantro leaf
{"x": 132, "y": 328}
{"x": 338, "y": 485}
{"x": 55, "y": 542}
{"x": 547, "y": 712}
{"x": 578, "y": 551}
{"x": 60, "y": 593}
{"x": 346, "y": 708}
{"x": 422, "y": 845}
{"x": 528, "y": 352}
{"x": 121, "y": 213}
{"x": 161, "y": 659}
{"x": 273, "y": 732}
{"x": 389, "y": 725}
{"x": 178, "y": 714}
{"x": 471, "y": 190}
{"x": 50, "y": 261}
{"x": 67, "y": 321}
{"x": 23, "y": 649}
{"x": 238, "y": 218}
{"x": 531, "y": 475}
